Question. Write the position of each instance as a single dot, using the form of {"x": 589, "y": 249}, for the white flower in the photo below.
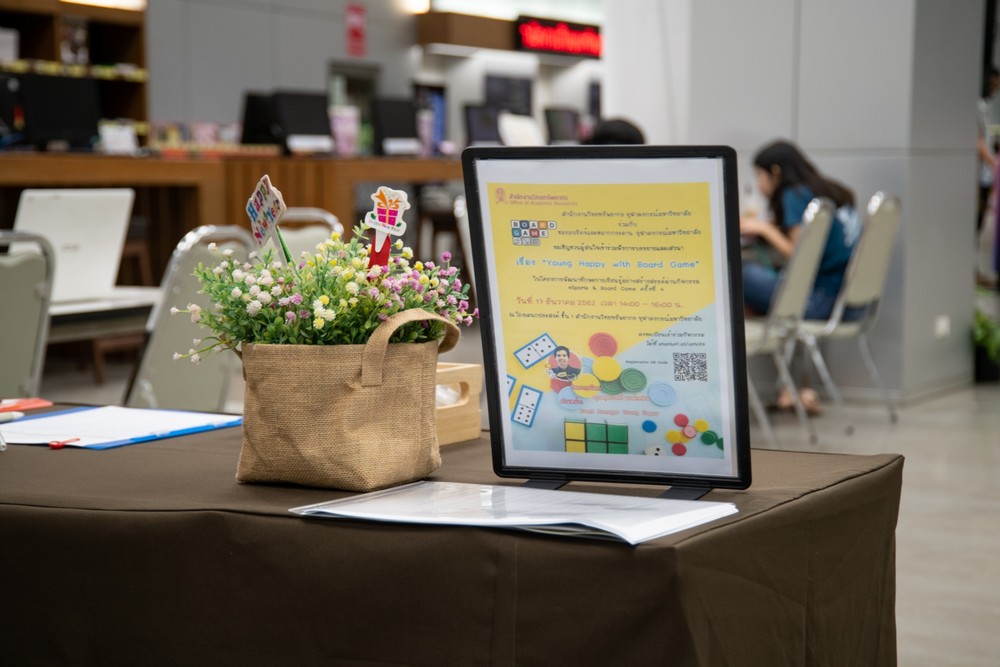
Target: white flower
{"x": 174, "y": 311}
{"x": 352, "y": 287}
{"x": 217, "y": 270}
{"x": 253, "y": 307}
{"x": 236, "y": 293}
{"x": 177, "y": 355}
{"x": 195, "y": 358}
{"x": 238, "y": 274}
{"x": 254, "y": 290}
{"x": 328, "y": 314}
{"x": 228, "y": 252}
{"x": 276, "y": 290}
{"x": 250, "y": 279}
{"x": 264, "y": 297}
{"x": 196, "y": 341}
{"x": 212, "y": 246}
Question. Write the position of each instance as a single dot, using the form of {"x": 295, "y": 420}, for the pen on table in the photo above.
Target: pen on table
{"x": 10, "y": 416}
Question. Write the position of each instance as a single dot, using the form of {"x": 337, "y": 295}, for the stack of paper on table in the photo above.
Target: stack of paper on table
{"x": 629, "y": 518}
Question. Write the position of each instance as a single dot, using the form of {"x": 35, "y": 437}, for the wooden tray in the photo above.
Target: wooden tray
{"x": 462, "y": 420}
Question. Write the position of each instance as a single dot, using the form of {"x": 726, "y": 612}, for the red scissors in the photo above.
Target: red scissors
{"x": 59, "y": 444}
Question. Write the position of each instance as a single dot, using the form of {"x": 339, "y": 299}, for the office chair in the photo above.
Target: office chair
{"x": 864, "y": 283}
{"x": 24, "y": 301}
{"x": 774, "y": 334}
{"x": 160, "y": 381}
{"x": 304, "y": 227}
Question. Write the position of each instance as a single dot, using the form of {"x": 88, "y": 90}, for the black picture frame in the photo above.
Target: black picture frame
{"x": 555, "y": 185}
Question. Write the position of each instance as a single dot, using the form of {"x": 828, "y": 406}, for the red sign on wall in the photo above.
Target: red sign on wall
{"x": 356, "y": 22}
{"x": 572, "y": 39}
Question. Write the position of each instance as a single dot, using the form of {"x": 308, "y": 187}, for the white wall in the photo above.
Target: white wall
{"x": 881, "y": 95}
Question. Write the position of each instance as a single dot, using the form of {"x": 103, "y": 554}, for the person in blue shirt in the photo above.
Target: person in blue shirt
{"x": 790, "y": 181}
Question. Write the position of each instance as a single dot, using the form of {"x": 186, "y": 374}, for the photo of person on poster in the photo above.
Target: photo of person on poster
{"x": 563, "y": 365}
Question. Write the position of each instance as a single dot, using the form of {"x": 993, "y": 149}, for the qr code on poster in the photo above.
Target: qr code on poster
{"x": 690, "y": 367}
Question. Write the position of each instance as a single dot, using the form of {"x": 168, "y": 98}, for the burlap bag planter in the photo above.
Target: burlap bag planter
{"x": 348, "y": 417}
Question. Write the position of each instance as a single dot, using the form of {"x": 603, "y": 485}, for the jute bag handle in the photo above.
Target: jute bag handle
{"x": 374, "y": 354}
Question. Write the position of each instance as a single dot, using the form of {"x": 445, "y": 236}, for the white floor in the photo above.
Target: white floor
{"x": 948, "y": 535}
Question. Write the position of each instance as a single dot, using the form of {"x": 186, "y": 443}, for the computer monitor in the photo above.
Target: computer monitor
{"x": 394, "y": 122}
{"x": 302, "y": 121}
{"x": 562, "y": 124}
{"x": 60, "y": 112}
{"x": 481, "y": 126}
{"x": 508, "y": 93}
{"x": 258, "y": 119}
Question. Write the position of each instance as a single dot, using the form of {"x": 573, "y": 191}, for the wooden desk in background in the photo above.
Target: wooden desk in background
{"x": 178, "y": 194}
{"x": 328, "y": 183}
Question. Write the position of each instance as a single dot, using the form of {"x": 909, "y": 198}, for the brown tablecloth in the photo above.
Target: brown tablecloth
{"x": 153, "y": 554}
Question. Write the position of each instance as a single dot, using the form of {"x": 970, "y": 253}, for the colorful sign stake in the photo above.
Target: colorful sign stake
{"x": 265, "y": 208}
{"x": 387, "y": 220}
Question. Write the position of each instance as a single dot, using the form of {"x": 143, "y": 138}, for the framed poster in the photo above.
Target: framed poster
{"x": 608, "y": 282}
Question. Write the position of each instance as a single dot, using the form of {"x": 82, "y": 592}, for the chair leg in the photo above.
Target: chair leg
{"x": 809, "y": 342}
{"x": 866, "y": 354}
{"x": 758, "y": 410}
{"x": 786, "y": 377}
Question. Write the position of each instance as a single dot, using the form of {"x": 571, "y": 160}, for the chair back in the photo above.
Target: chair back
{"x": 461, "y": 211}
{"x": 799, "y": 274}
{"x": 303, "y": 228}
{"x": 864, "y": 280}
{"x": 160, "y": 381}
{"x": 25, "y": 293}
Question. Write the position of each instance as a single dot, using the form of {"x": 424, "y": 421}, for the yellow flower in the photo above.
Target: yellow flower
{"x": 319, "y": 323}
{"x": 324, "y": 299}
{"x": 419, "y": 266}
{"x": 398, "y": 244}
{"x": 424, "y": 280}
{"x": 356, "y": 262}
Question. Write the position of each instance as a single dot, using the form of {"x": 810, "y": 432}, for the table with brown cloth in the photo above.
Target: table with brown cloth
{"x": 153, "y": 554}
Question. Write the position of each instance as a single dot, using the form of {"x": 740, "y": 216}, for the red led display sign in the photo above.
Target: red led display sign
{"x": 548, "y": 36}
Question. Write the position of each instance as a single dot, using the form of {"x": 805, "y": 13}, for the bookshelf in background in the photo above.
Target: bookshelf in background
{"x": 107, "y": 45}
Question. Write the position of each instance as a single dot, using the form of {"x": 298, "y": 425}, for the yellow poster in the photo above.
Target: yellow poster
{"x": 608, "y": 295}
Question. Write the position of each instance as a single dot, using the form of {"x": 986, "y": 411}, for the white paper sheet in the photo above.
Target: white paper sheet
{"x": 628, "y": 518}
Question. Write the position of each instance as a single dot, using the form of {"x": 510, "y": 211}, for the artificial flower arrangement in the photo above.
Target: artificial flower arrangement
{"x": 335, "y": 295}
{"x": 339, "y": 348}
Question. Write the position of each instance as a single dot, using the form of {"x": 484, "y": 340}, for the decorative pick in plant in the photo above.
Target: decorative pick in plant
{"x": 265, "y": 209}
{"x": 387, "y": 220}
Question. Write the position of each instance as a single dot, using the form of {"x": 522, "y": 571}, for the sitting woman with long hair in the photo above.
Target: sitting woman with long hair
{"x": 790, "y": 181}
